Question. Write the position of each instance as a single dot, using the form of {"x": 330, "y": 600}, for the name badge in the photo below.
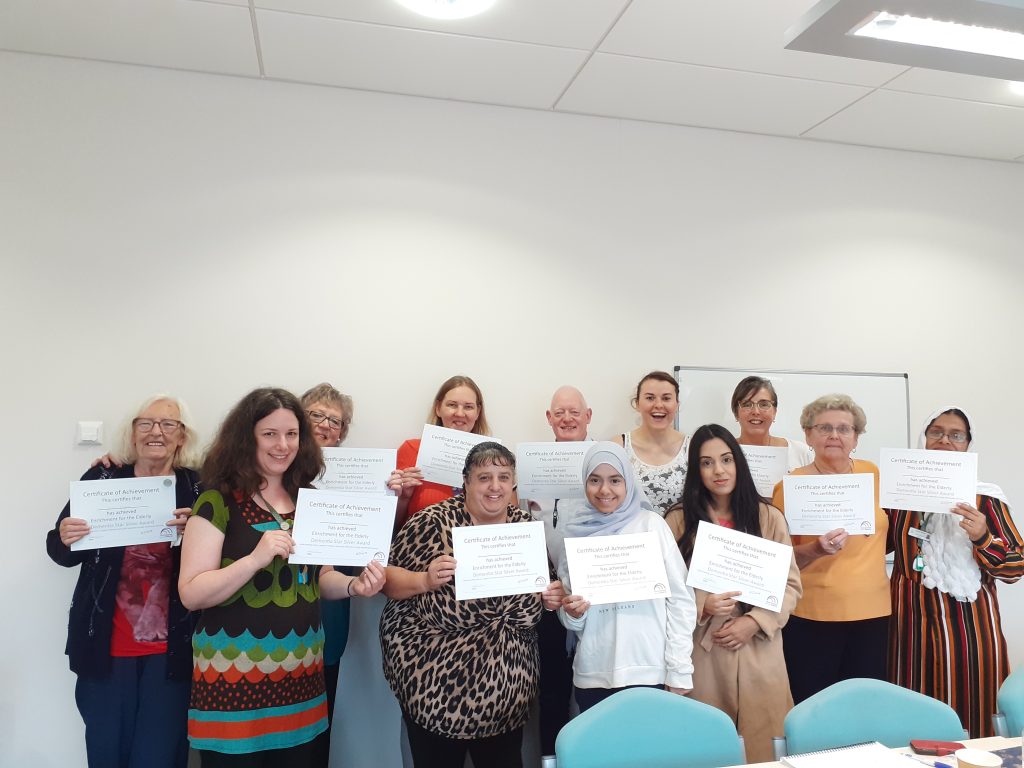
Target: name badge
{"x": 917, "y": 533}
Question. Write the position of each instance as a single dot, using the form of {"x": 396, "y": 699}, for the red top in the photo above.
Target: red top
{"x": 425, "y": 495}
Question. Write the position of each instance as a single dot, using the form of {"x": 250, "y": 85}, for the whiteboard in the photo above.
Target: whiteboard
{"x": 704, "y": 395}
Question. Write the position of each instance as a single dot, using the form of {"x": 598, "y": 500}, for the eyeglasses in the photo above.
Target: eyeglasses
{"x": 826, "y": 430}
{"x": 319, "y": 418}
{"x": 761, "y": 405}
{"x": 935, "y": 433}
{"x": 167, "y": 426}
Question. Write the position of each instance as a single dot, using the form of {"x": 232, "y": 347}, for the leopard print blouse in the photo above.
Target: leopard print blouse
{"x": 462, "y": 669}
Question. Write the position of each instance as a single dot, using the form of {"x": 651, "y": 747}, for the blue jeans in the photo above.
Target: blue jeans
{"x": 135, "y": 717}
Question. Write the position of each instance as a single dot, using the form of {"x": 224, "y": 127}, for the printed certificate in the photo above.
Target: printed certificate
{"x": 120, "y": 513}
{"x": 442, "y": 455}
{"x": 551, "y": 470}
{"x": 335, "y": 528}
{"x": 817, "y": 504}
{"x": 614, "y": 569}
{"x": 500, "y": 559}
{"x": 767, "y": 466}
{"x": 926, "y": 481}
{"x": 725, "y": 560}
{"x": 357, "y": 470}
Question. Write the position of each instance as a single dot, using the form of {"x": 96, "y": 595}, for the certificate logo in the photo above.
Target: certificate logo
{"x": 379, "y": 557}
{"x": 167, "y": 533}
{"x": 772, "y": 600}
{"x": 168, "y": 482}
{"x": 865, "y": 525}
{"x": 540, "y": 581}
{"x": 659, "y": 588}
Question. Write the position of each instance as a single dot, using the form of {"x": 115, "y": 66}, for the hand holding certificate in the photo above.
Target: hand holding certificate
{"x": 614, "y": 569}
{"x": 550, "y": 470}
{"x": 335, "y": 528}
{"x": 817, "y": 504}
{"x": 124, "y": 512}
{"x": 926, "y": 481}
{"x": 442, "y": 453}
{"x": 725, "y": 560}
{"x": 500, "y": 559}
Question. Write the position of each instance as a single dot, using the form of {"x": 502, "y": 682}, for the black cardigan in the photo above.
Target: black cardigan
{"x": 90, "y": 620}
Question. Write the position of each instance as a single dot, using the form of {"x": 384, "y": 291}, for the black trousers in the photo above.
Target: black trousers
{"x": 431, "y": 750}
{"x": 301, "y": 756}
{"x": 820, "y": 653}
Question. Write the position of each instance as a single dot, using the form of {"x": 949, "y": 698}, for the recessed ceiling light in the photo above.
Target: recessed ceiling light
{"x": 942, "y": 34}
{"x": 447, "y": 9}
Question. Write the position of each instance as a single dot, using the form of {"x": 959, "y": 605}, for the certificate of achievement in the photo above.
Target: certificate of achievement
{"x": 357, "y": 470}
{"x": 335, "y": 528}
{"x": 551, "y": 470}
{"x": 120, "y": 513}
{"x": 443, "y": 452}
{"x": 767, "y": 466}
{"x": 501, "y": 559}
{"x": 614, "y": 569}
{"x": 816, "y": 504}
{"x": 725, "y": 560}
{"x": 926, "y": 481}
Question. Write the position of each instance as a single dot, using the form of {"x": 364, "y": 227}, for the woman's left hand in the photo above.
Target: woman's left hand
{"x": 395, "y": 482}
{"x": 180, "y": 517}
{"x": 736, "y": 633}
{"x": 370, "y": 581}
{"x": 552, "y": 596}
{"x": 973, "y": 522}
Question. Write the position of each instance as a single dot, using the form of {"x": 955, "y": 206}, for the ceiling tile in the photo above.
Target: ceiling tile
{"x": 355, "y": 55}
{"x": 209, "y": 37}
{"x": 929, "y": 124}
{"x": 622, "y": 86}
{"x": 935, "y": 83}
{"x": 733, "y": 34}
{"x": 568, "y": 23}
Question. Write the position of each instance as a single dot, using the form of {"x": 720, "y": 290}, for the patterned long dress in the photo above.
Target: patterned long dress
{"x": 953, "y": 651}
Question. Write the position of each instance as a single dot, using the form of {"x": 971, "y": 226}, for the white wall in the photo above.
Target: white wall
{"x": 204, "y": 235}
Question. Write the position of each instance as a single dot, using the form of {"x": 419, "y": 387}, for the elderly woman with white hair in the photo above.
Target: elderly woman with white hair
{"x": 129, "y": 636}
{"x": 945, "y": 639}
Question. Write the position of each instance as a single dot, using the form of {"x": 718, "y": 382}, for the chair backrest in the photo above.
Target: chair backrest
{"x": 858, "y": 710}
{"x": 649, "y": 728}
{"x": 1011, "y": 702}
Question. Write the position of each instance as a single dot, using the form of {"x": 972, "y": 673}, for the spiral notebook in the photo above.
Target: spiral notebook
{"x": 870, "y": 754}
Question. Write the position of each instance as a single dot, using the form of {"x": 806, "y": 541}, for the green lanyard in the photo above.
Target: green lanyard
{"x": 918, "y": 564}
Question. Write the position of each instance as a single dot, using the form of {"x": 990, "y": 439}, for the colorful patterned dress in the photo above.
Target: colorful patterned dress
{"x": 953, "y": 651}
{"x": 257, "y": 679}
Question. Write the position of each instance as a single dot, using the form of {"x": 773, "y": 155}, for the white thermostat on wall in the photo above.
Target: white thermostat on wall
{"x": 90, "y": 433}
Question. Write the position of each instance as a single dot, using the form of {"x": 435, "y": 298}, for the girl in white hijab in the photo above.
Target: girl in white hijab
{"x": 638, "y": 642}
{"x": 945, "y": 638}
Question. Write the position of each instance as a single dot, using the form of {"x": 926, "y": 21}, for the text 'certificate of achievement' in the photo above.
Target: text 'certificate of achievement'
{"x": 120, "y": 513}
{"x": 615, "y": 569}
{"x": 500, "y": 559}
{"x": 725, "y": 560}
{"x": 926, "y": 481}
{"x": 767, "y": 466}
{"x": 817, "y": 504}
{"x": 335, "y": 528}
{"x": 551, "y": 470}
{"x": 442, "y": 455}
{"x": 357, "y": 470}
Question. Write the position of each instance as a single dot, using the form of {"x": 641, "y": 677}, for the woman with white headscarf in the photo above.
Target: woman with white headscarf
{"x": 635, "y": 643}
{"x": 945, "y": 638}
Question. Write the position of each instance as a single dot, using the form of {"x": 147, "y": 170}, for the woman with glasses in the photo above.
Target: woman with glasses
{"x": 945, "y": 639}
{"x": 755, "y": 405}
{"x": 330, "y": 414}
{"x": 839, "y": 628}
{"x": 129, "y": 636}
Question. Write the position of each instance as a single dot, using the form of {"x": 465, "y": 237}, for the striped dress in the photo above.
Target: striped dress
{"x": 953, "y": 651}
{"x": 257, "y": 673}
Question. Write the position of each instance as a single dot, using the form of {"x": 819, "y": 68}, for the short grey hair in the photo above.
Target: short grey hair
{"x": 326, "y": 393}
{"x": 188, "y": 453}
{"x": 834, "y": 402}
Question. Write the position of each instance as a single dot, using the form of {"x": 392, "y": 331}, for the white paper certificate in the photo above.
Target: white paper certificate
{"x": 614, "y": 569}
{"x": 816, "y": 504}
{"x": 357, "y": 470}
{"x": 442, "y": 455}
{"x": 335, "y": 528}
{"x": 725, "y": 560}
{"x": 926, "y": 481}
{"x": 120, "y": 513}
{"x": 551, "y": 470}
{"x": 500, "y": 559}
{"x": 767, "y": 466}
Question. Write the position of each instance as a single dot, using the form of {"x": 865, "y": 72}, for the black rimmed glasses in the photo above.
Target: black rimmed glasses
{"x": 761, "y": 405}
{"x": 319, "y": 418}
{"x": 167, "y": 426}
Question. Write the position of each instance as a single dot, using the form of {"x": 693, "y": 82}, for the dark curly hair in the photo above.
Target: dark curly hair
{"x": 230, "y": 464}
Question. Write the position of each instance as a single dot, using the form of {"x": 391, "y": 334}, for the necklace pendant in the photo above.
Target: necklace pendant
{"x": 285, "y": 525}
{"x": 919, "y": 563}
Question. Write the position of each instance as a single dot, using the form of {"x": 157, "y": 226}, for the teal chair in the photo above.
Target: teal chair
{"x": 650, "y": 728}
{"x": 1009, "y": 720}
{"x": 858, "y": 710}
